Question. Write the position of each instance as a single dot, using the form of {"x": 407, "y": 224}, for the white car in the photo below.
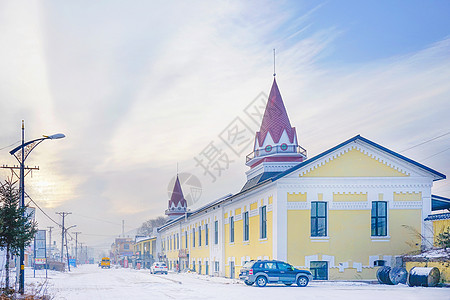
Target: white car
{"x": 158, "y": 267}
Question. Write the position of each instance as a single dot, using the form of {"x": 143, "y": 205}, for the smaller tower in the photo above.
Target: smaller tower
{"x": 177, "y": 203}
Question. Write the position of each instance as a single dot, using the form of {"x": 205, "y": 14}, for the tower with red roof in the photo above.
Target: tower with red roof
{"x": 276, "y": 147}
{"x": 177, "y": 203}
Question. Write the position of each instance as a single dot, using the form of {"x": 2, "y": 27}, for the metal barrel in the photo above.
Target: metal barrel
{"x": 383, "y": 275}
{"x": 419, "y": 276}
{"x": 398, "y": 275}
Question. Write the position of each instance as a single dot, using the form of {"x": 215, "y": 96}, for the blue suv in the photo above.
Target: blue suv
{"x": 263, "y": 272}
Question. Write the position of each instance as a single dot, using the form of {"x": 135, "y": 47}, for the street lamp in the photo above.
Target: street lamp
{"x": 25, "y": 149}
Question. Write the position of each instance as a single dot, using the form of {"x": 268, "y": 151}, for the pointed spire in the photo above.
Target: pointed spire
{"x": 177, "y": 195}
{"x": 275, "y": 118}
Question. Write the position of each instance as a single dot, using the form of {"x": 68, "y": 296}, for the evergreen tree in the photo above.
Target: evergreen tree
{"x": 17, "y": 230}
{"x": 443, "y": 239}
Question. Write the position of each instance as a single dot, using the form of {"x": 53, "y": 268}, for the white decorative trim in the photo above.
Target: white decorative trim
{"x": 342, "y": 266}
{"x": 253, "y": 213}
{"x": 298, "y": 205}
{"x": 372, "y": 260}
{"x": 226, "y": 221}
{"x": 270, "y": 207}
{"x": 380, "y": 238}
{"x": 266, "y": 258}
{"x": 363, "y": 149}
{"x": 238, "y": 217}
{"x": 349, "y": 205}
{"x": 329, "y": 259}
{"x": 310, "y": 258}
{"x": 320, "y": 238}
{"x": 357, "y": 266}
{"x": 388, "y": 260}
{"x": 406, "y": 205}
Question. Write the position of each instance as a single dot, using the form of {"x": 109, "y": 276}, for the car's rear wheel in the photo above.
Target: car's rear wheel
{"x": 302, "y": 281}
{"x": 261, "y": 281}
{"x": 248, "y": 282}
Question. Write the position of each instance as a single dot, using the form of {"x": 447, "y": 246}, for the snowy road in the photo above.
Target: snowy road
{"x": 92, "y": 282}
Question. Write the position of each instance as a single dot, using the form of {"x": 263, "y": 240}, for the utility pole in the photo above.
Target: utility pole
{"x": 63, "y": 215}
{"x": 76, "y": 246}
{"x": 50, "y": 239}
{"x": 81, "y": 251}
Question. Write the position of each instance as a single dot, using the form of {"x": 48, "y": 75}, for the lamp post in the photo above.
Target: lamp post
{"x": 21, "y": 153}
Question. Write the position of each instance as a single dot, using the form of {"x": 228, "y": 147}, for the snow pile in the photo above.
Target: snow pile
{"x": 434, "y": 253}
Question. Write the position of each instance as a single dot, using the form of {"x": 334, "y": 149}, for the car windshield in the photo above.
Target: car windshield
{"x": 248, "y": 264}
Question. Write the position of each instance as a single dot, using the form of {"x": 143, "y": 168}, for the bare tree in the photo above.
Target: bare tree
{"x": 147, "y": 227}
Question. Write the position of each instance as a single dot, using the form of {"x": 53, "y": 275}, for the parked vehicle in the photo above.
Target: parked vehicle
{"x": 105, "y": 263}
{"x": 158, "y": 267}
{"x": 263, "y": 272}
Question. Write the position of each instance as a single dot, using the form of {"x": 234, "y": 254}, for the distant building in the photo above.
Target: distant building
{"x": 341, "y": 213}
{"x": 121, "y": 249}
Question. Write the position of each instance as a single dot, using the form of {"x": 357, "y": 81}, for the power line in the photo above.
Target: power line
{"x": 436, "y": 154}
{"x": 10, "y": 145}
{"x": 435, "y": 138}
{"x": 34, "y": 202}
{"x": 97, "y": 219}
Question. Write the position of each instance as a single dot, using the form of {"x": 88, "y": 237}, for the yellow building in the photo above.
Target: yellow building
{"x": 340, "y": 214}
{"x": 145, "y": 250}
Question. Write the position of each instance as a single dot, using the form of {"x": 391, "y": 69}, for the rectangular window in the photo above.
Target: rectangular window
{"x": 206, "y": 235}
{"x": 231, "y": 229}
{"x": 199, "y": 267}
{"x": 178, "y": 241}
{"x": 206, "y": 268}
{"x": 246, "y": 226}
{"x": 216, "y": 232}
{"x": 319, "y": 270}
{"x": 379, "y": 218}
{"x": 318, "y": 218}
{"x": 216, "y": 266}
{"x": 199, "y": 236}
{"x": 193, "y": 265}
{"x": 263, "y": 222}
{"x": 186, "y": 238}
{"x": 193, "y": 237}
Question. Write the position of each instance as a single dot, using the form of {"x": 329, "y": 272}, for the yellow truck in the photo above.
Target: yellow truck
{"x": 105, "y": 263}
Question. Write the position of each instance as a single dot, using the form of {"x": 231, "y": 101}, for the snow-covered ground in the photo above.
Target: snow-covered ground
{"x": 92, "y": 282}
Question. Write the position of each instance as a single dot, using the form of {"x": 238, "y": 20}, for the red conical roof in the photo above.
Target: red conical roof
{"x": 177, "y": 195}
{"x": 275, "y": 118}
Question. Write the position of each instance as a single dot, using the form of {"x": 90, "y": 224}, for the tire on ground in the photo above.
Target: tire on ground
{"x": 261, "y": 281}
{"x": 302, "y": 281}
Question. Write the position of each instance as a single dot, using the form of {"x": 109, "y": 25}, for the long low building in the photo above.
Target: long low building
{"x": 340, "y": 214}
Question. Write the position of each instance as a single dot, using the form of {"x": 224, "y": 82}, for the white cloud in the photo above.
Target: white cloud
{"x": 138, "y": 87}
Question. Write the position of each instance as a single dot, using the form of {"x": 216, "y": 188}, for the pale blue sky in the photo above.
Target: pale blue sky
{"x": 139, "y": 86}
